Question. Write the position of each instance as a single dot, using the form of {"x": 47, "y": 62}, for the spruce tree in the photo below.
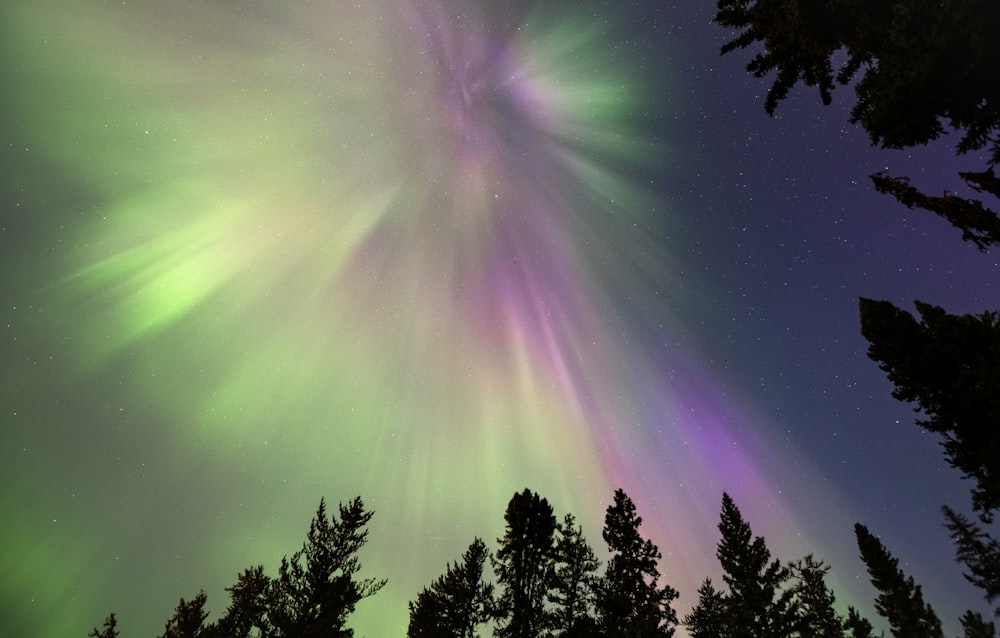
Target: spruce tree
{"x": 756, "y": 605}
{"x": 524, "y": 566}
{"x": 973, "y": 626}
{"x": 813, "y": 601}
{"x": 631, "y": 602}
{"x": 248, "y": 607}
{"x": 188, "y": 620}
{"x": 110, "y": 629}
{"x": 573, "y": 590}
{"x": 457, "y": 602}
{"x": 979, "y": 551}
{"x": 317, "y": 589}
{"x": 707, "y": 619}
{"x": 900, "y": 600}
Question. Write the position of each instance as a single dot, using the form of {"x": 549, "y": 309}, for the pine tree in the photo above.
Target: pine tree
{"x": 248, "y": 607}
{"x": 973, "y": 626}
{"x": 316, "y": 590}
{"x": 979, "y": 551}
{"x": 188, "y": 620}
{"x": 900, "y": 600}
{"x": 573, "y": 589}
{"x": 950, "y": 367}
{"x": 857, "y": 626}
{"x": 708, "y": 618}
{"x": 524, "y": 566}
{"x": 815, "y": 616}
{"x": 457, "y": 602}
{"x": 756, "y": 606}
{"x": 631, "y": 603}
{"x": 110, "y": 629}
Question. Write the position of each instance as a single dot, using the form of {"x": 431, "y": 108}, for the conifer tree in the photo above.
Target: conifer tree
{"x": 316, "y": 590}
{"x": 979, "y": 551}
{"x": 950, "y": 367}
{"x": 110, "y": 629}
{"x": 457, "y": 602}
{"x": 756, "y": 605}
{"x": 814, "y": 615}
{"x": 900, "y": 600}
{"x": 973, "y": 626}
{"x": 188, "y": 620}
{"x": 631, "y": 602}
{"x": 248, "y": 607}
{"x": 857, "y": 626}
{"x": 524, "y": 566}
{"x": 708, "y": 617}
{"x": 573, "y": 591}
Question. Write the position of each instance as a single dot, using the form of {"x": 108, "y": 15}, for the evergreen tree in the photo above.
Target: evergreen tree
{"x": 708, "y": 618}
{"x": 188, "y": 620}
{"x": 248, "y": 607}
{"x": 110, "y": 629}
{"x": 631, "y": 602}
{"x": 979, "y": 551}
{"x": 573, "y": 590}
{"x": 456, "y": 603}
{"x": 524, "y": 567}
{"x": 815, "y": 616}
{"x": 857, "y": 626}
{"x": 900, "y": 600}
{"x": 973, "y": 626}
{"x": 920, "y": 62}
{"x": 916, "y": 65}
{"x": 756, "y": 606}
{"x": 316, "y": 590}
{"x": 950, "y": 367}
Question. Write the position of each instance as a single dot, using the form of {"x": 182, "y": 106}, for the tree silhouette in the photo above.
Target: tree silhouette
{"x": 813, "y": 609}
{"x": 248, "y": 607}
{"x": 756, "y": 606}
{"x": 456, "y": 603}
{"x": 188, "y": 620}
{"x": 316, "y": 590}
{"x": 950, "y": 367}
{"x": 973, "y": 626}
{"x": 574, "y": 583}
{"x": 707, "y": 619}
{"x": 920, "y": 63}
{"x": 857, "y": 626}
{"x": 631, "y": 603}
{"x": 978, "y": 551}
{"x": 900, "y": 600}
{"x": 110, "y": 629}
{"x": 915, "y": 66}
{"x": 524, "y": 567}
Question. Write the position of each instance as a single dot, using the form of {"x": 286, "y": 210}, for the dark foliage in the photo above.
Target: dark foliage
{"x": 631, "y": 602}
{"x": 248, "y": 607}
{"x": 524, "y": 567}
{"x": 978, "y": 224}
{"x": 574, "y": 586}
{"x": 950, "y": 366}
{"x": 110, "y": 629}
{"x": 316, "y": 589}
{"x": 900, "y": 600}
{"x": 978, "y": 551}
{"x": 188, "y": 620}
{"x": 915, "y": 64}
{"x": 973, "y": 626}
{"x": 457, "y": 602}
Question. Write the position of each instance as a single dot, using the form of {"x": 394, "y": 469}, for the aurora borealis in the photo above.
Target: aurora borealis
{"x": 431, "y": 252}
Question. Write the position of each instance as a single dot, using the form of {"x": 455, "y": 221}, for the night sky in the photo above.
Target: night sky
{"x": 432, "y": 252}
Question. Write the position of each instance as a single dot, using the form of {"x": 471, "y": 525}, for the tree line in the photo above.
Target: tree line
{"x": 545, "y": 581}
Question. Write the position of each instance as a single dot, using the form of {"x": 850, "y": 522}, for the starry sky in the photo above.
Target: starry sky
{"x": 431, "y": 252}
